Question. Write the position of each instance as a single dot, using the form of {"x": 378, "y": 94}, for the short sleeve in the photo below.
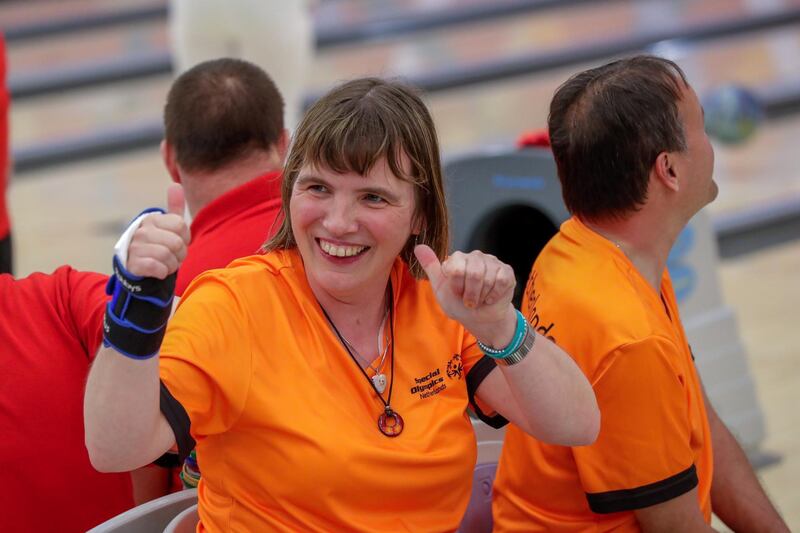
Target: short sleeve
{"x": 643, "y": 454}
{"x": 86, "y": 301}
{"x": 205, "y": 358}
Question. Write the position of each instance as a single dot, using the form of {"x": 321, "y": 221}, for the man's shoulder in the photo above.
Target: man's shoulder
{"x": 66, "y": 298}
{"x": 583, "y": 279}
{"x": 63, "y": 280}
{"x": 590, "y": 305}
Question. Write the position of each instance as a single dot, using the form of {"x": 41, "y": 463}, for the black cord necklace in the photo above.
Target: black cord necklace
{"x": 390, "y": 423}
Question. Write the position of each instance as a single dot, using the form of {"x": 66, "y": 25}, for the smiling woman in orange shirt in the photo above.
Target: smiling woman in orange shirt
{"x": 326, "y": 382}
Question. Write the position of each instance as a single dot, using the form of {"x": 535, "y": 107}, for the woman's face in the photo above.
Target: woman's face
{"x": 350, "y": 228}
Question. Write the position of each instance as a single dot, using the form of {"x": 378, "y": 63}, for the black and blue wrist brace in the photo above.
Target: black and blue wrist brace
{"x": 137, "y": 315}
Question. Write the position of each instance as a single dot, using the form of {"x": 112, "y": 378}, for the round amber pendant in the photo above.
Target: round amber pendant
{"x": 390, "y": 423}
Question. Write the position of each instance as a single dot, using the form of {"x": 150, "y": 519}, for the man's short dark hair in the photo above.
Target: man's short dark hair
{"x": 220, "y": 110}
{"x": 607, "y": 126}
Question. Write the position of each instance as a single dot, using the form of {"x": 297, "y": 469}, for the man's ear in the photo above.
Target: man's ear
{"x": 283, "y": 145}
{"x": 666, "y": 171}
{"x": 168, "y": 156}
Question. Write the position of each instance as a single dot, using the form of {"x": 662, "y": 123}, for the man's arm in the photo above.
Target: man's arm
{"x": 678, "y": 514}
{"x": 737, "y": 497}
{"x": 150, "y": 482}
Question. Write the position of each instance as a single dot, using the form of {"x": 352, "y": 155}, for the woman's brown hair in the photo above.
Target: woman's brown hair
{"x": 353, "y": 127}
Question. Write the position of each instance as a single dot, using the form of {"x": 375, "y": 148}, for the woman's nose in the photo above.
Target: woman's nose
{"x": 340, "y": 218}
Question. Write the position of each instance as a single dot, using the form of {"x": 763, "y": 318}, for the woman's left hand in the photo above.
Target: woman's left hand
{"x": 476, "y": 289}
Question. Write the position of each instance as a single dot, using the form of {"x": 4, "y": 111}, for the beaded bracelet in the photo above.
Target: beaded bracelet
{"x": 513, "y": 346}
{"x": 522, "y": 352}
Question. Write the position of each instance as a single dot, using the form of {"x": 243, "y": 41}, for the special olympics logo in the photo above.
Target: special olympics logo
{"x": 455, "y": 369}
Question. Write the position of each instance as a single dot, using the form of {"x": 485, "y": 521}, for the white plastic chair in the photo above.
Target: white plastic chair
{"x": 478, "y": 517}
{"x": 185, "y": 522}
{"x": 149, "y": 517}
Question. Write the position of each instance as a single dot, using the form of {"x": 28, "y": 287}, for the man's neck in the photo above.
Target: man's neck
{"x": 202, "y": 188}
{"x": 645, "y": 238}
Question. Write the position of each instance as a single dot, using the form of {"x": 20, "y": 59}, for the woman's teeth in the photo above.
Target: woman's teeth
{"x": 340, "y": 251}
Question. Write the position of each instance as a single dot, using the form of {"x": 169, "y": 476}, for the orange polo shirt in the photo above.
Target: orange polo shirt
{"x": 654, "y": 441}
{"x": 286, "y": 423}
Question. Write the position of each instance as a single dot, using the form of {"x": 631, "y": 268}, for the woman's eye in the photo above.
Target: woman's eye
{"x": 374, "y": 199}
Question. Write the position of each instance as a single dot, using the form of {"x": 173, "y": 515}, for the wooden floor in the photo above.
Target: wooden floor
{"x": 764, "y": 290}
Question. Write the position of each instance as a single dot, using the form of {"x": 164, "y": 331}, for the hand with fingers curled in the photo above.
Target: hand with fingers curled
{"x": 475, "y": 289}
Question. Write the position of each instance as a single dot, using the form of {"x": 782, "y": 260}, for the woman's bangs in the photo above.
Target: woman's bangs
{"x": 356, "y": 143}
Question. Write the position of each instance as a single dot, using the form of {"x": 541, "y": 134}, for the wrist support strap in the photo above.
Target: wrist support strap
{"x": 136, "y": 317}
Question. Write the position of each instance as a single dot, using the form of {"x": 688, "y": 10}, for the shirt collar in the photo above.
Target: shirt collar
{"x": 252, "y": 193}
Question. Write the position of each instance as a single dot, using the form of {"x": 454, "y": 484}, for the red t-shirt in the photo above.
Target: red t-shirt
{"x": 4, "y": 161}
{"x": 234, "y": 225}
{"x": 49, "y": 334}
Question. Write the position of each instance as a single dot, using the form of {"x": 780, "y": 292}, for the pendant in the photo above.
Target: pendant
{"x": 390, "y": 423}
{"x": 379, "y": 380}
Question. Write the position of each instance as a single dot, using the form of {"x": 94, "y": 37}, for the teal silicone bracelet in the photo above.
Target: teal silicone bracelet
{"x": 513, "y": 346}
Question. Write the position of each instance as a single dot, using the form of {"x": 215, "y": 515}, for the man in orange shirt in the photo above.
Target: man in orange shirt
{"x": 635, "y": 165}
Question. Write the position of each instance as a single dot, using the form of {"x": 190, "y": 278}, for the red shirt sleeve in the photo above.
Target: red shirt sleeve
{"x": 83, "y": 302}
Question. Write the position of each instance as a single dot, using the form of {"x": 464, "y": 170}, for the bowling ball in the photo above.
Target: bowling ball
{"x": 732, "y": 114}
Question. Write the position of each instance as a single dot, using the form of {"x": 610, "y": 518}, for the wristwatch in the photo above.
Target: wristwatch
{"x": 520, "y": 353}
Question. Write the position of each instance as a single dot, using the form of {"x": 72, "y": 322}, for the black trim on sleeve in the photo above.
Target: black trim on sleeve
{"x": 179, "y": 422}
{"x": 6, "y": 255}
{"x": 615, "y": 501}
{"x": 475, "y": 377}
{"x": 168, "y": 460}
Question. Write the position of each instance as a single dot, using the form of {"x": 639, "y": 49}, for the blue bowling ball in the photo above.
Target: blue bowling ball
{"x": 732, "y": 114}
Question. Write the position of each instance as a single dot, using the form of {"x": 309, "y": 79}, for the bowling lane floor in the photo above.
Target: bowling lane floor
{"x": 764, "y": 290}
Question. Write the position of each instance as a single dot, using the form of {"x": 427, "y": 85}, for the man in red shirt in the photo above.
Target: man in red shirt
{"x": 225, "y": 144}
{"x": 49, "y": 335}
{"x": 5, "y": 166}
